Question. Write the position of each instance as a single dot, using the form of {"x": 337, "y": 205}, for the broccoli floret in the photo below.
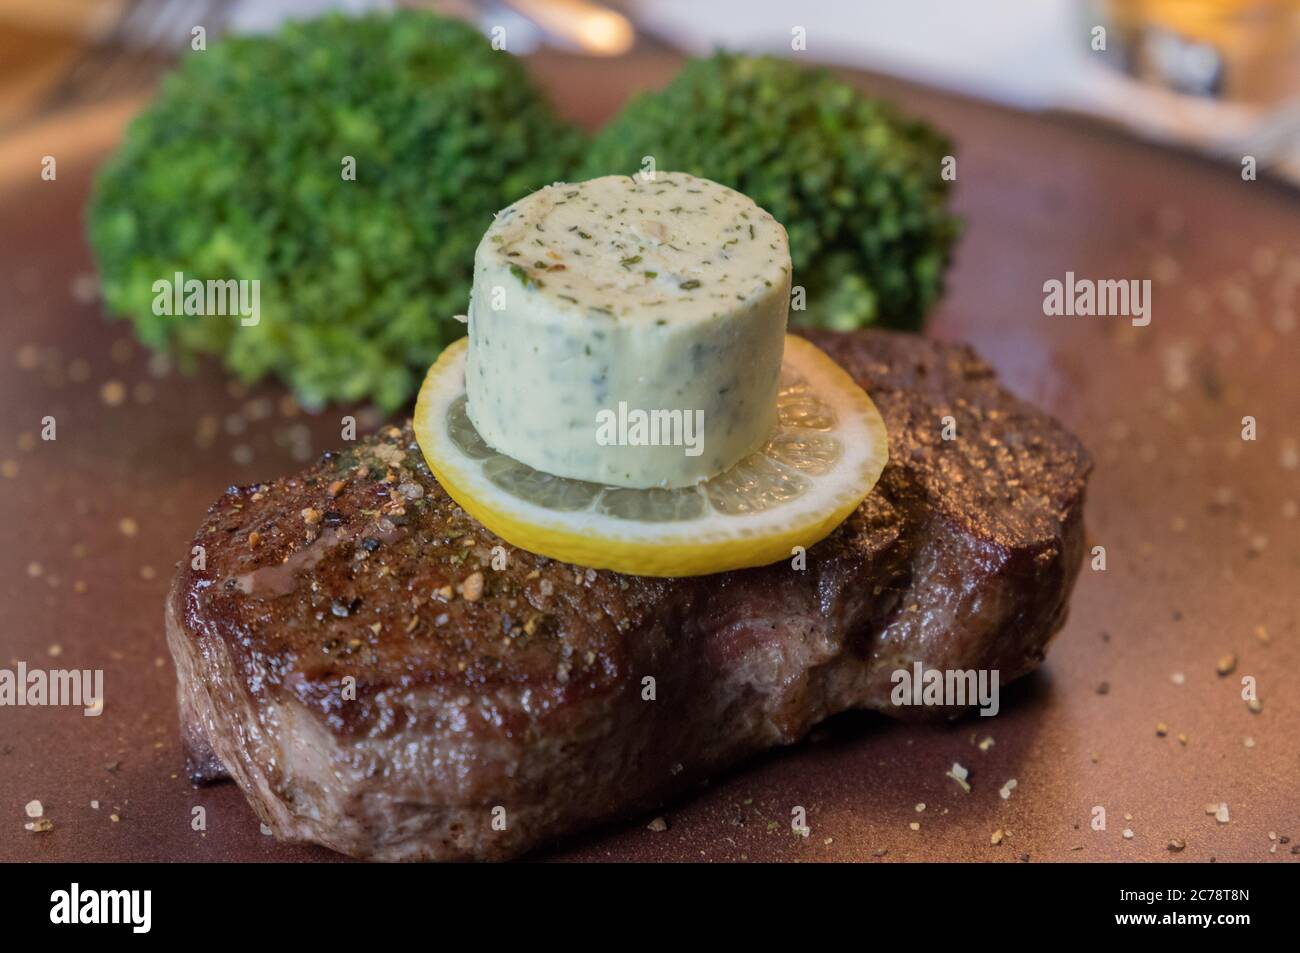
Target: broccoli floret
{"x": 857, "y": 186}
{"x": 236, "y": 171}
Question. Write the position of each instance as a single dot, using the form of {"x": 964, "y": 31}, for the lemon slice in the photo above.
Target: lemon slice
{"x": 823, "y": 458}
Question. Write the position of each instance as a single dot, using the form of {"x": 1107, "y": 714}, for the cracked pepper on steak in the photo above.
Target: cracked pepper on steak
{"x": 522, "y": 688}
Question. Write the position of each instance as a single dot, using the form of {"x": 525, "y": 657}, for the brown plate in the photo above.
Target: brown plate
{"x": 1199, "y": 527}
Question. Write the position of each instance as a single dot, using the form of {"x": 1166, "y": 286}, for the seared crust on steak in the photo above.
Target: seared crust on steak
{"x": 333, "y": 658}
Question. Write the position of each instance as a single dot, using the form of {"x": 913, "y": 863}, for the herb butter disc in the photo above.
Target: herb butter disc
{"x": 628, "y": 330}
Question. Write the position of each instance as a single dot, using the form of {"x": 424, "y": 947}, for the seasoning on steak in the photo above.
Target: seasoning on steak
{"x": 351, "y": 657}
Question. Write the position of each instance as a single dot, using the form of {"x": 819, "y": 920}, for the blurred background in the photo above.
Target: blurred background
{"x": 1218, "y": 76}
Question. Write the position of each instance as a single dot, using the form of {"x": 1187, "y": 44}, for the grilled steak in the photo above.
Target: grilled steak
{"x": 351, "y": 657}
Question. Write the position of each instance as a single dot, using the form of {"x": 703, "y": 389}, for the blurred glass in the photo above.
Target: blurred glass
{"x": 1240, "y": 51}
